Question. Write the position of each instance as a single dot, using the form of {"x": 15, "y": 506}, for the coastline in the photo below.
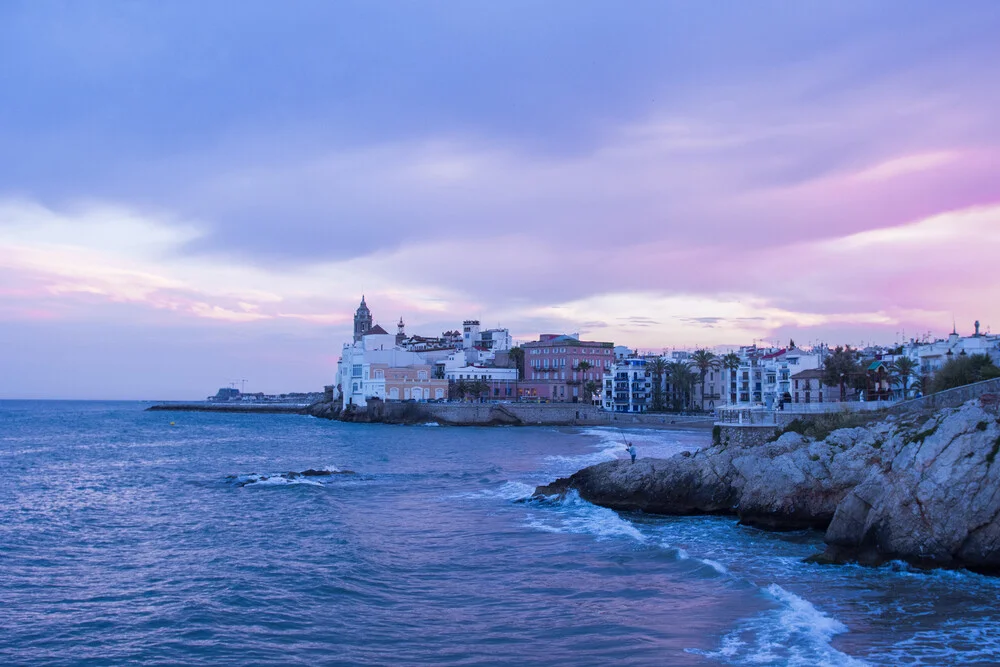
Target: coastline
{"x": 916, "y": 488}
{"x": 460, "y": 414}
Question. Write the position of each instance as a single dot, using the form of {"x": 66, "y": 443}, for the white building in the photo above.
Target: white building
{"x": 627, "y": 386}
{"x": 363, "y": 364}
{"x": 764, "y": 375}
{"x": 487, "y": 373}
{"x": 931, "y": 356}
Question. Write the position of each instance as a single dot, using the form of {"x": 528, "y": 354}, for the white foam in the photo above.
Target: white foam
{"x": 715, "y": 565}
{"x": 584, "y": 460}
{"x": 430, "y": 424}
{"x": 281, "y": 479}
{"x": 969, "y": 641}
{"x": 577, "y": 516}
{"x": 796, "y": 634}
{"x": 507, "y": 491}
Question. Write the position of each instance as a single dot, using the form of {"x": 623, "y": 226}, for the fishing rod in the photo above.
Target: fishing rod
{"x": 624, "y": 439}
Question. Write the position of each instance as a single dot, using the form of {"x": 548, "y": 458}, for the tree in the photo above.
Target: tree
{"x": 478, "y": 387}
{"x": 681, "y": 380}
{"x": 903, "y": 370}
{"x": 731, "y": 362}
{"x": 841, "y": 369}
{"x": 658, "y": 370}
{"x": 962, "y": 370}
{"x": 517, "y": 356}
{"x": 461, "y": 389}
{"x": 592, "y": 387}
{"x": 705, "y": 361}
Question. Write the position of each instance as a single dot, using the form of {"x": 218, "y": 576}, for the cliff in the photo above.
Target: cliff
{"x": 918, "y": 488}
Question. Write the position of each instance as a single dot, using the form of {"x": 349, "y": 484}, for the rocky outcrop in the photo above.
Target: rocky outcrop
{"x": 926, "y": 490}
{"x": 246, "y": 480}
{"x": 324, "y": 409}
{"x": 935, "y": 502}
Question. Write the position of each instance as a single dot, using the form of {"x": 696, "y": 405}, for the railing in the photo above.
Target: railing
{"x": 846, "y": 406}
{"x": 745, "y": 416}
{"x": 759, "y": 415}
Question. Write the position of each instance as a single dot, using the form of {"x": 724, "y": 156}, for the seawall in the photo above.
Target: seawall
{"x": 512, "y": 414}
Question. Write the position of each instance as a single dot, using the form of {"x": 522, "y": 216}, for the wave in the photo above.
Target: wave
{"x": 796, "y": 634}
{"x": 511, "y": 491}
{"x": 969, "y": 641}
{"x": 575, "y": 515}
{"x": 310, "y": 477}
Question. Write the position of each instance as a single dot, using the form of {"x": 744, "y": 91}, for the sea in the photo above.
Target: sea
{"x": 171, "y": 538}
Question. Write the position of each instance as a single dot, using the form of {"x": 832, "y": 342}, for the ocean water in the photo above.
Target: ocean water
{"x": 124, "y": 539}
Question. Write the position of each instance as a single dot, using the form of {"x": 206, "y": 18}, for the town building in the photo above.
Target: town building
{"x": 560, "y": 368}
{"x": 764, "y": 376}
{"x": 627, "y": 386}
{"x": 808, "y": 387}
{"x": 932, "y": 355}
{"x": 374, "y": 366}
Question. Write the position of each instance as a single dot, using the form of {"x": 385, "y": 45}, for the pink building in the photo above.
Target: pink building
{"x": 558, "y": 367}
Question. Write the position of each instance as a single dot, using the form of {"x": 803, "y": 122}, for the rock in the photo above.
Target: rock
{"x": 290, "y": 475}
{"x": 936, "y": 502}
{"x": 922, "y": 490}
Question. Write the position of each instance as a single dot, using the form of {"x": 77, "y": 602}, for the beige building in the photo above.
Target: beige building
{"x": 415, "y": 382}
{"x": 808, "y": 387}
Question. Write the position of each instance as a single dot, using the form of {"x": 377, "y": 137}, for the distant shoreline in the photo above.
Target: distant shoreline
{"x": 258, "y": 408}
{"x": 460, "y": 414}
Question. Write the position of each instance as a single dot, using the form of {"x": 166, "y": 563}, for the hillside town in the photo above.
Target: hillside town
{"x": 474, "y": 364}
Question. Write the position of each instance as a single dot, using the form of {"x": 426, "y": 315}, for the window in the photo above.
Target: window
{"x": 356, "y": 370}
{"x": 421, "y": 375}
{"x": 379, "y": 374}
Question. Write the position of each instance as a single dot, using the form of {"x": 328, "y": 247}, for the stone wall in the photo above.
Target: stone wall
{"x": 513, "y": 413}
{"x": 746, "y": 436}
{"x": 526, "y": 414}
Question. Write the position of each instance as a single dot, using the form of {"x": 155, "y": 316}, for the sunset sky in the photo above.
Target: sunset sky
{"x": 195, "y": 193}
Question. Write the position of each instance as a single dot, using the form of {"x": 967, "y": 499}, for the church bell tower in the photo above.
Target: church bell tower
{"x": 362, "y": 320}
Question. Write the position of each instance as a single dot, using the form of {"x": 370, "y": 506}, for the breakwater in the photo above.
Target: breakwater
{"x": 244, "y": 408}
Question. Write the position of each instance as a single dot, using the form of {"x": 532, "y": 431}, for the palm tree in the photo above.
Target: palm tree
{"x": 478, "y": 387}
{"x": 731, "y": 362}
{"x": 591, "y": 388}
{"x": 903, "y": 370}
{"x": 681, "y": 380}
{"x": 658, "y": 369}
{"x": 461, "y": 389}
{"x": 705, "y": 361}
{"x": 516, "y": 355}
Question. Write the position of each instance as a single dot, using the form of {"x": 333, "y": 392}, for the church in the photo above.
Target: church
{"x": 376, "y": 366}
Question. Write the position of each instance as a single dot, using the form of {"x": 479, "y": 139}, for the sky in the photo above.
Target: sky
{"x": 194, "y": 194}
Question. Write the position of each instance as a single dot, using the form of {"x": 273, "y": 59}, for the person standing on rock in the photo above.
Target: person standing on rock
{"x": 630, "y": 448}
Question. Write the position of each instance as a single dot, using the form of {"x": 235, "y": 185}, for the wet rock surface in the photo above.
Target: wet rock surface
{"x": 246, "y": 480}
{"x": 925, "y": 489}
